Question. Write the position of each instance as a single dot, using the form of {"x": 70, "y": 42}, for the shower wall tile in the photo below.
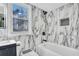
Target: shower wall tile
{"x": 64, "y": 35}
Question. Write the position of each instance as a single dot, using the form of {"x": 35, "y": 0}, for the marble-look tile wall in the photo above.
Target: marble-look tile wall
{"x": 50, "y": 24}
{"x": 64, "y": 35}
{"x": 38, "y": 26}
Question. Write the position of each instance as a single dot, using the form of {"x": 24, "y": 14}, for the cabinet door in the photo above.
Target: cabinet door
{"x": 12, "y": 50}
{"x": 8, "y": 50}
{"x": 4, "y": 52}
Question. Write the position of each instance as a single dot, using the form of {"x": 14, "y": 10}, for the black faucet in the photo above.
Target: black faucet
{"x": 43, "y": 33}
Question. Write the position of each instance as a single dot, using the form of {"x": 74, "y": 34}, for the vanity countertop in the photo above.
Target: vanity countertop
{"x": 7, "y": 42}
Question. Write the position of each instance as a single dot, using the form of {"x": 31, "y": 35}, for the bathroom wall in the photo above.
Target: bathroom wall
{"x": 64, "y": 35}
{"x": 38, "y": 26}
{"x": 50, "y": 24}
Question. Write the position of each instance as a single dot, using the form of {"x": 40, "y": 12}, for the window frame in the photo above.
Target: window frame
{"x": 10, "y": 20}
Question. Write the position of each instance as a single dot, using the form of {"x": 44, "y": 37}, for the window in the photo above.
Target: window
{"x": 20, "y": 18}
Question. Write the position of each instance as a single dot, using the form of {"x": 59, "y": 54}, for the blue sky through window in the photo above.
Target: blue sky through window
{"x": 19, "y": 10}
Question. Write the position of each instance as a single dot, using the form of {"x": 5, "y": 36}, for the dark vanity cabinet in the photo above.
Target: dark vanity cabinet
{"x": 8, "y": 50}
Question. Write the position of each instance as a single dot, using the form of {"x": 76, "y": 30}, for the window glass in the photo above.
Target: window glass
{"x": 20, "y": 19}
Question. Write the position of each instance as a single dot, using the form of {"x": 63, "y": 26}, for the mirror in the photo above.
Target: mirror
{"x": 2, "y": 17}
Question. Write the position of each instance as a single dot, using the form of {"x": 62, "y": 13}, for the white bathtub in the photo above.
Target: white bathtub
{"x": 50, "y": 49}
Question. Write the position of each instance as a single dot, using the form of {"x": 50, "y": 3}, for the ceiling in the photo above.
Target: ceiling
{"x": 48, "y": 6}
